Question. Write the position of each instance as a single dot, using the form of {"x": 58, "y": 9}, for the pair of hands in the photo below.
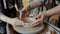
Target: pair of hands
{"x": 40, "y": 17}
{"x": 25, "y": 12}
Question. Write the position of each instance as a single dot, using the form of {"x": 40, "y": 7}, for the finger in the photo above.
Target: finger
{"x": 39, "y": 21}
{"x": 42, "y": 17}
{"x": 39, "y": 15}
{"x": 36, "y": 23}
{"x": 24, "y": 12}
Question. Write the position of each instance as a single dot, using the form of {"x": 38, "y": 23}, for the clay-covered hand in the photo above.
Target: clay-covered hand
{"x": 40, "y": 19}
{"x": 24, "y": 12}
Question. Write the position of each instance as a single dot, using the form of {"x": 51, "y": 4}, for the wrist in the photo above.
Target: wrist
{"x": 19, "y": 22}
{"x": 45, "y": 14}
{"x": 29, "y": 7}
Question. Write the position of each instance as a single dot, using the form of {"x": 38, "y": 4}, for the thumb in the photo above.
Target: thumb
{"x": 42, "y": 17}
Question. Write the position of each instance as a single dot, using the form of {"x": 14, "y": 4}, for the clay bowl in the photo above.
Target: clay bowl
{"x": 25, "y": 29}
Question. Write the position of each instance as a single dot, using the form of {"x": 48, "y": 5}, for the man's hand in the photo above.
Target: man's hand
{"x": 24, "y": 12}
{"x": 40, "y": 19}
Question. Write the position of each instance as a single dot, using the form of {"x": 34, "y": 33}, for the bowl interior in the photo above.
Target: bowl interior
{"x": 29, "y": 20}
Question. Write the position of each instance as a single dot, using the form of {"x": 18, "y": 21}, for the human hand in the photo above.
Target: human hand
{"x": 24, "y": 12}
{"x": 17, "y": 22}
{"x": 40, "y": 19}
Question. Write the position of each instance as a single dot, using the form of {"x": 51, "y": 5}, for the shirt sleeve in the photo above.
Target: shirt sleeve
{"x": 1, "y": 8}
{"x": 19, "y": 4}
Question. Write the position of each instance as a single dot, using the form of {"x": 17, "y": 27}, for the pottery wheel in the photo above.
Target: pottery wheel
{"x": 22, "y": 29}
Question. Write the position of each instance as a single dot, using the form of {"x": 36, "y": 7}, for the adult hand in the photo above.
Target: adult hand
{"x": 12, "y": 21}
{"x": 24, "y": 12}
{"x": 40, "y": 20}
{"x": 17, "y": 22}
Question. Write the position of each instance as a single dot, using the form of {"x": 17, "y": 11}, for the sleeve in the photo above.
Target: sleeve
{"x": 1, "y": 8}
{"x": 19, "y": 4}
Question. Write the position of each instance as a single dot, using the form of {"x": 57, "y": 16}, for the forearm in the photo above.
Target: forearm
{"x": 12, "y": 21}
{"x": 34, "y": 4}
{"x": 6, "y": 19}
{"x": 53, "y": 11}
